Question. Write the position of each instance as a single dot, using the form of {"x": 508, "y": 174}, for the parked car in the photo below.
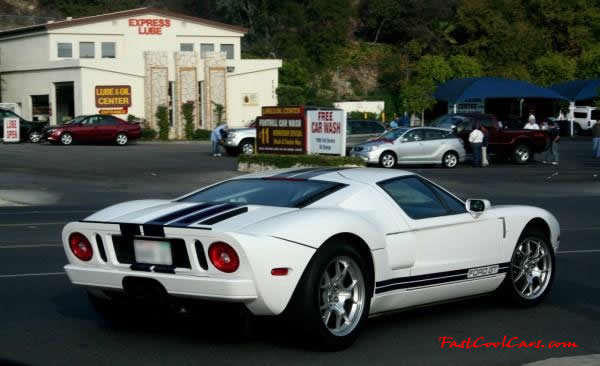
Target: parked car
{"x": 417, "y": 145}
{"x": 241, "y": 140}
{"x": 504, "y": 142}
{"x": 31, "y": 131}
{"x": 585, "y": 118}
{"x": 93, "y": 128}
{"x": 359, "y": 131}
{"x": 325, "y": 247}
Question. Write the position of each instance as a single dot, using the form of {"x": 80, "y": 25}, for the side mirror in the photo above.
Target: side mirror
{"x": 477, "y": 205}
{"x": 403, "y": 139}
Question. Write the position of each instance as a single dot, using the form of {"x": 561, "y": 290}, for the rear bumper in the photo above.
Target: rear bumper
{"x": 207, "y": 288}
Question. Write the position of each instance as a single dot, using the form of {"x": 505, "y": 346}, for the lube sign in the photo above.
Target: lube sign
{"x": 150, "y": 26}
{"x": 326, "y": 131}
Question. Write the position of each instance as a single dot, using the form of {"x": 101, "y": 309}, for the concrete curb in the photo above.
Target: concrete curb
{"x": 140, "y": 142}
{"x": 587, "y": 360}
{"x": 15, "y": 197}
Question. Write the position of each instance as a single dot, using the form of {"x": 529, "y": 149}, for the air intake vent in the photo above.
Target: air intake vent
{"x": 201, "y": 255}
{"x": 101, "y": 247}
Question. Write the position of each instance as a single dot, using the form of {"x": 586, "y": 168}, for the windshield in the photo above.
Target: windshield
{"x": 447, "y": 121}
{"x": 266, "y": 192}
{"x": 394, "y": 134}
{"x": 75, "y": 120}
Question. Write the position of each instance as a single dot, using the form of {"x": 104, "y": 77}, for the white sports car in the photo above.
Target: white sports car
{"x": 328, "y": 246}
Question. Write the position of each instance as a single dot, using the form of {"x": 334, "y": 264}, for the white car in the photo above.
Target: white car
{"x": 328, "y": 247}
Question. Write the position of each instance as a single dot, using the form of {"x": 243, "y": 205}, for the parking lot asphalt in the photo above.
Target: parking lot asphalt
{"x": 46, "y": 321}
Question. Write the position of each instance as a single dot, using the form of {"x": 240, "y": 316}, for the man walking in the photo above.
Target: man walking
{"x": 217, "y": 138}
{"x": 476, "y": 140}
{"x": 596, "y": 141}
{"x": 551, "y": 154}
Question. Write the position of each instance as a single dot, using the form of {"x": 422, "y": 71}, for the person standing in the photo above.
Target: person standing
{"x": 596, "y": 140}
{"x": 394, "y": 123}
{"x": 531, "y": 124}
{"x": 484, "y": 145}
{"x": 217, "y": 138}
{"x": 551, "y": 154}
{"x": 476, "y": 139}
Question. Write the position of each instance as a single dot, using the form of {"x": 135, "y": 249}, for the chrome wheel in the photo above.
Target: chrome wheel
{"x": 121, "y": 139}
{"x": 66, "y": 139}
{"x": 388, "y": 160}
{"x": 35, "y": 137}
{"x": 247, "y": 148}
{"x": 531, "y": 268}
{"x": 522, "y": 154}
{"x": 342, "y": 296}
{"x": 450, "y": 160}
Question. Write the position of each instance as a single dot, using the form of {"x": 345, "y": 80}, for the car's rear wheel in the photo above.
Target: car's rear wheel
{"x": 121, "y": 139}
{"x": 387, "y": 160}
{"x": 531, "y": 270}
{"x": 521, "y": 154}
{"x": 247, "y": 147}
{"x": 35, "y": 136}
{"x": 450, "y": 160}
{"x": 66, "y": 139}
{"x": 331, "y": 303}
{"x": 577, "y": 129}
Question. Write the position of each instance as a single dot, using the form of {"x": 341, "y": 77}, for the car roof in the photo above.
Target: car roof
{"x": 335, "y": 174}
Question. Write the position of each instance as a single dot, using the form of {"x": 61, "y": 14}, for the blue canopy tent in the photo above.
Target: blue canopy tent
{"x": 577, "y": 90}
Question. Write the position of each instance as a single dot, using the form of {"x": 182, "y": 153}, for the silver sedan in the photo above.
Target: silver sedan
{"x": 417, "y": 145}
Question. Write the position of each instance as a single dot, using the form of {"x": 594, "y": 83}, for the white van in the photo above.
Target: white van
{"x": 585, "y": 117}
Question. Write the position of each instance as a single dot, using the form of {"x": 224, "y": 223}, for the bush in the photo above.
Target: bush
{"x": 187, "y": 109}
{"x": 288, "y": 161}
{"x": 149, "y": 134}
{"x": 203, "y": 135}
{"x": 162, "y": 114}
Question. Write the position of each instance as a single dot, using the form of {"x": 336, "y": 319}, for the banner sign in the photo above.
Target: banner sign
{"x": 12, "y": 130}
{"x": 150, "y": 26}
{"x": 114, "y": 111}
{"x": 326, "y": 131}
{"x": 281, "y": 111}
{"x": 113, "y": 96}
{"x": 281, "y": 135}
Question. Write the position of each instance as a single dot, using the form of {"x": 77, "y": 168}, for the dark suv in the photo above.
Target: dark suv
{"x": 31, "y": 131}
{"x": 504, "y": 141}
{"x": 360, "y": 130}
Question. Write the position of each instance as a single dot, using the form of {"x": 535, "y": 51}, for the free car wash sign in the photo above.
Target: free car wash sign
{"x": 113, "y": 96}
{"x": 326, "y": 131}
{"x": 280, "y": 130}
{"x": 12, "y": 130}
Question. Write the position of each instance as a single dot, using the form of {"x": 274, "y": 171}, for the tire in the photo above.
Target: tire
{"x": 387, "y": 160}
{"x": 35, "y": 137}
{"x": 530, "y": 272}
{"x": 66, "y": 138}
{"x": 247, "y": 147}
{"x": 450, "y": 160}
{"x": 121, "y": 139}
{"x": 521, "y": 154}
{"x": 577, "y": 131}
{"x": 319, "y": 295}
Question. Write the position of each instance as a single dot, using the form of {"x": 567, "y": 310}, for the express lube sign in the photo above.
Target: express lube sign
{"x": 326, "y": 131}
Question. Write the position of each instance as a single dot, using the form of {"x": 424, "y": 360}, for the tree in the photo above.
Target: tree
{"x": 187, "y": 109}
{"x": 553, "y": 68}
{"x": 162, "y": 115}
{"x": 465, "y": 67}
{"x": 434, "y": 69}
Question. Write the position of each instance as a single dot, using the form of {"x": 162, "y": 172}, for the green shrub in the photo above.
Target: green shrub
{"x": 149, "y": 134}
{"x": 132, "y": 118}
{"x": 187, "y": 109}
{"x": 162, "y": 115}
{"x": 288, "y": 161}
{"x": 203, "y": 135}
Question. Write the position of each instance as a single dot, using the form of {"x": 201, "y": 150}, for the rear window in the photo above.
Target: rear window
{"x": 266, "y": 192}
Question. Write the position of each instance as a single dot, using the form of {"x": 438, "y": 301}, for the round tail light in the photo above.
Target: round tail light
{"x": 81, "y": 247}
{"x": 223, "y": 257}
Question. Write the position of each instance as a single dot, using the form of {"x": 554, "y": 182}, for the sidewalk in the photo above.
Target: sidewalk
{"x": 172, "y": 142}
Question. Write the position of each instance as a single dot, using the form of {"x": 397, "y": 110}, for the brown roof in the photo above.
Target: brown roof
{"x": 118, "y": 15}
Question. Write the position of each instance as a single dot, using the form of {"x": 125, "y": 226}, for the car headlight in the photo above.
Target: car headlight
{"x": 372, "y": 148}
{"x": 231, "y": 135}
{"x": 51, "y": 130}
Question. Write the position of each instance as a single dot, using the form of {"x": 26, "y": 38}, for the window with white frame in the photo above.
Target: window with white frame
{"x": 186, "y": 47}
{"x": 86, "y": 50}
{"x": 109, "y": 49}
{"x": 228, "y": 49}
{"x": 65, "y": 50}
{"x": 206, "y": 47}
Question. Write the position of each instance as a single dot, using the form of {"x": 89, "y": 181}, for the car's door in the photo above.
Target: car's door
{"x": 434, "y": 145}
{"x": 494, "y": 136}
{"x": 463, "y": 129}
{"x": 449, "y": 241}
{"x": 86, "y": 129}
{"x": 352, "y": 133}
{"x": 107, "y": 128}
{"x": 409, "y": 147}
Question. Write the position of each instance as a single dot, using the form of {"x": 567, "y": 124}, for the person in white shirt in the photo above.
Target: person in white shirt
{"x": 531, "y": 117}
{"x": 531, "y": 125}
{"x": 217, "y": 137}
{"x": 561, "y": 116}
{"x": 476, "y": 140}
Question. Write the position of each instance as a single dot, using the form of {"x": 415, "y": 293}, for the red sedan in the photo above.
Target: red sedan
{"x": 94, "y": 128}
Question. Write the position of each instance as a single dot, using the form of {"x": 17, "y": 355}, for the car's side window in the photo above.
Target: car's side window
{"x": 414, "y": 135}
{"x": 455, "y": 205}
{"x": 378, "y": 128}
{"x": 416, "y": 199}
{"x": 366, "y": 127}
{"x": 487, "y": 122}
{"x": 107, "y": 121}
{"x": 351, "y": 127}
{"x": 465, "y": 125}
{"x": 433, "y": 135}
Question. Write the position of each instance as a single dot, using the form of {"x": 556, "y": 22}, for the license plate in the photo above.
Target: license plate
{"x": 153, "y": 252}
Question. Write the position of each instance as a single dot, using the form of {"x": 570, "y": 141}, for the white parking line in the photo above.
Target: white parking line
{"x": 32, "y": 274}
{"x": 26, "y": 246}
{"x": 33, "y": 224}
{"x": 578, "y": 251}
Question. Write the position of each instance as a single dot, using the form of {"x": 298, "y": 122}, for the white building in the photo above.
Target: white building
{"x": 131, "y": 62}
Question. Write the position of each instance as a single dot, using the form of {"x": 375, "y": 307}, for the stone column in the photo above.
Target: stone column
{"x": 156, "y": 85}
{"x": 215, "y": 89}
{"x": 186, "y": 89}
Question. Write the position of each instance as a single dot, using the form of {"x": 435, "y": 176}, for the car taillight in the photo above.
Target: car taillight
{"x": 223, "y": 257}
{"x": 81, "y": 247}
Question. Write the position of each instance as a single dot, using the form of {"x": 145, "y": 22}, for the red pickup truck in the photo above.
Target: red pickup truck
{"x": 504, "y": 142}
